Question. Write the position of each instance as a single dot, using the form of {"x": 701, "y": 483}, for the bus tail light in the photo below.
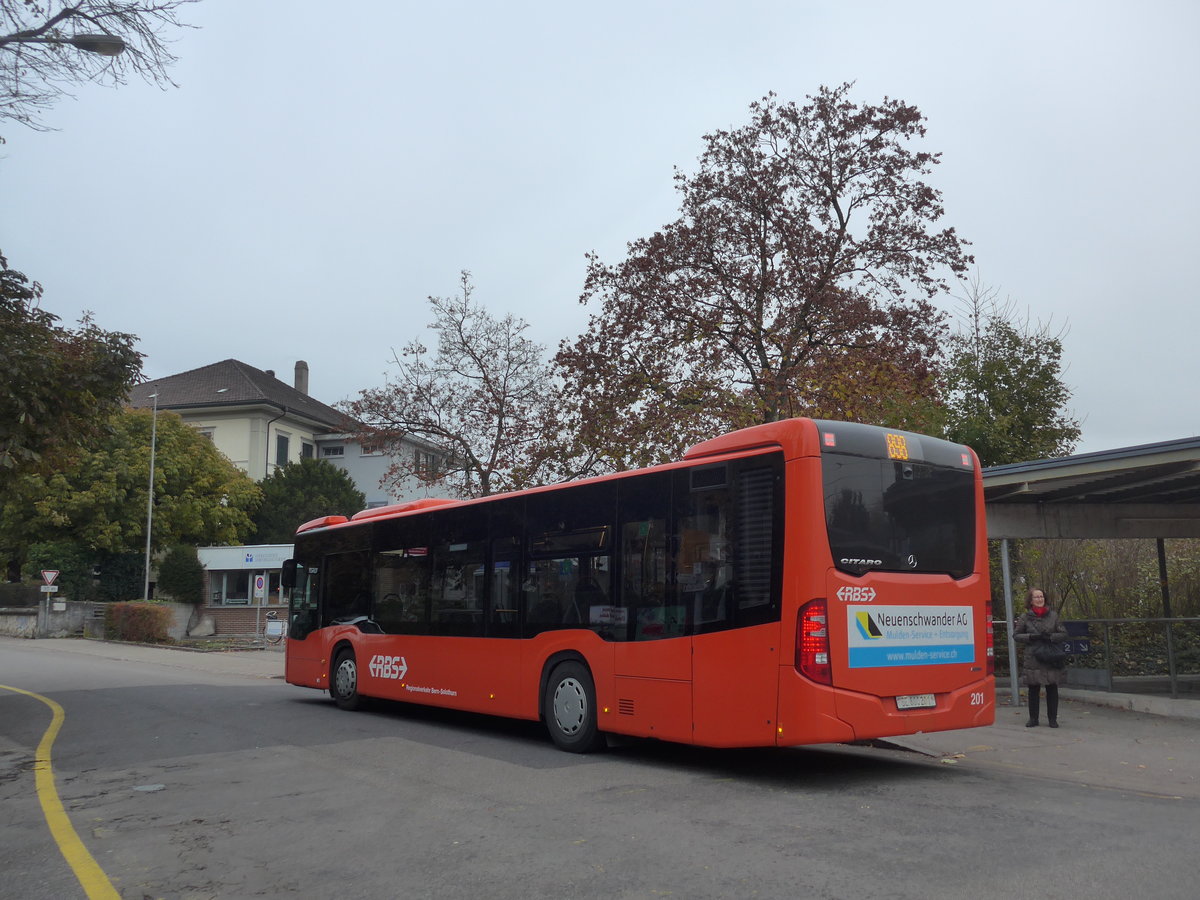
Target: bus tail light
{"x": 812, "y": 642}
{"x": 991, "y": 648}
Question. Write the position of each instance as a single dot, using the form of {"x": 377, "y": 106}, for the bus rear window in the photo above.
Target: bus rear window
{"x": 899, "y": 514}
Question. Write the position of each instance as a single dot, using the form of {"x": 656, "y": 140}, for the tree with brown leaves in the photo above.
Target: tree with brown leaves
{"x": 797, "y": 280}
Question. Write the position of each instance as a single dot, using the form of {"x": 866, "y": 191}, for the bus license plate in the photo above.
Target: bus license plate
{"x": 916, "y": 701}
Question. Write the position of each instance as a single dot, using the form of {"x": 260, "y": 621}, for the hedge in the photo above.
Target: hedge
{"x": 142, "y": 623}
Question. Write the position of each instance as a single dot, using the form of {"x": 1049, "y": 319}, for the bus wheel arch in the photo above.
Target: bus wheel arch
{"x": 343, "y": 678}
{"x": 568, "y": 704}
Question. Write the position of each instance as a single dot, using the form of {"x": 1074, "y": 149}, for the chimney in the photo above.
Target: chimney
{"x": 302, "y": 376}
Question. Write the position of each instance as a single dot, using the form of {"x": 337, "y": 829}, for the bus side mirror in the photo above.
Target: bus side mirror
{"x": 287, "y": 574}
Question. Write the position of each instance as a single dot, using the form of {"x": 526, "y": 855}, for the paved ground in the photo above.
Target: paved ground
{"x": 1116, "y": 741}
{"x": 1135, "y": 742}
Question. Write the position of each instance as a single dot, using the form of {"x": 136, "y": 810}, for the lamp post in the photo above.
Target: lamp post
{"x": 102, "y": 44}
{"x": 150, "y": 500}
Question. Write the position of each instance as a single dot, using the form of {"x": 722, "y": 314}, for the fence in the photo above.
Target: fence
{"x": 1156, "y": 655}
{"x": 49, "y": 618}
{"x": 63, "y": 618}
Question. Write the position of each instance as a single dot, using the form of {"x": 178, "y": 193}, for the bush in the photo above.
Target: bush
{"x": 181, "y": 576}
{"x": 141, "y": 623}
{"x": 87, "y": 574}
{"x": 16, "y": 594}
{"x": 122, "y": 576}
{"x": 74, "y": 563}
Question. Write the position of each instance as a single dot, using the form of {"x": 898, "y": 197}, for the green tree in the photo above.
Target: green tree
{"x": 100, "y": 502}
{"x": 797, "y": 281}
{"x": 38, "y": 64}
{"x": 59, "y": 386}
{"x": 181, "y": 575}
{"x": 88, "y": 574}
{"x": 300, "y": 492}
{"x": 1003, "y": 388}
{"x": 77, "y": 567}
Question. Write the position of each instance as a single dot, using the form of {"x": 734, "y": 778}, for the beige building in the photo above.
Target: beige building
{"x": 261, "y": 423}
{"x": 254, "y": 418}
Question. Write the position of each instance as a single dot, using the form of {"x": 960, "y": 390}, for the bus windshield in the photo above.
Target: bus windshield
{"x": 907, "y": 505}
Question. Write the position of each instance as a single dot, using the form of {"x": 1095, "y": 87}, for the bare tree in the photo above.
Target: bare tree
{"x": 49, "y": 46}
{"x": 485, "y": 400}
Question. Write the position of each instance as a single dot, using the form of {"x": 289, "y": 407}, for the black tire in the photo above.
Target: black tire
{"x": 343, "y": 681}
{"x": 569, "y": 708}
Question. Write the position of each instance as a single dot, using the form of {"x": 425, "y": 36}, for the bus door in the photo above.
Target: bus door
{"x": 304, "y": 649}
{"x": 653, "y": 653}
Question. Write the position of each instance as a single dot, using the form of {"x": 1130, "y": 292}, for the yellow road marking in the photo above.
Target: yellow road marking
{"x": 91, "y": 877}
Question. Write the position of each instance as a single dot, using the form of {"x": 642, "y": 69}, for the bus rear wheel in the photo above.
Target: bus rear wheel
{"x": 569, "y": 708}
{"x": 343, "y": 682}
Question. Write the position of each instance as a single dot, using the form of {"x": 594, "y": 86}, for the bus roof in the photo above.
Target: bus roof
{"x": 789, "y": 435}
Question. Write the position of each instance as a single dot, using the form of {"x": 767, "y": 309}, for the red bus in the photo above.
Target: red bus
{"x": 792, "y": 583}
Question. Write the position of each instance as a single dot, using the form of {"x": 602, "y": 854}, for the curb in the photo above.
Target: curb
{"x": 1170, "y": 707}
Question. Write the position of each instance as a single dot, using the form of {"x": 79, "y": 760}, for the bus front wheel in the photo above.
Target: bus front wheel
{"x": 343, "y": 684}
{"x": 569, "y": 708}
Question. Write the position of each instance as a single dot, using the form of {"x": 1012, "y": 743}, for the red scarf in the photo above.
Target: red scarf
{"x": 1040, "y": 610}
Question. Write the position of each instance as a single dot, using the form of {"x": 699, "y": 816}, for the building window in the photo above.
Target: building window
{"x": 281, "y": 449}
{"x": 337, "y": 450}
{"x": 306, "y": 450}
{"x": 425, "y": 464}
{"x": 244, "y": 587}
{"x": 207, "y": 432}
{"x": 230, "y": 588}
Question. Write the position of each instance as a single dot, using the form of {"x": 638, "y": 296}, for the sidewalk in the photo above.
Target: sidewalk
{"x": 265, "y": 663}
{"x": 1109, "y": 741}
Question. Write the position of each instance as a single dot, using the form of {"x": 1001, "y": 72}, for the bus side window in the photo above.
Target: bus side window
{"x": 347, "y": 586}
{"x": 704, "y": 563}
{"x": 402, "y": 584}
{"x": 506, "y": 524}
{"x": 568, "y": 537}
{"x": 647, "y": 599}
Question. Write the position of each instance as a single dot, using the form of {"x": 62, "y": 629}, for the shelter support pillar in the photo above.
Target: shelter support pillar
{"x": 1009, "y": 618}
{"x": 1166, "y": 599}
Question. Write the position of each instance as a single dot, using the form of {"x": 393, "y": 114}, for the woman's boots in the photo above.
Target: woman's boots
{"x": 1035, "y": 704}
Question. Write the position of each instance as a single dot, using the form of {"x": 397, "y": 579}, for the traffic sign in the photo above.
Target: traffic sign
{"x": 49, "y": 588}
{"x": 48, "y": 575}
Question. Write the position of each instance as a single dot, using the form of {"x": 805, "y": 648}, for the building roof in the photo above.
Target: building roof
{"x": 1167, "y": 472}
{"x": 231, "y": 383}
{"x": 1151, "y": 490}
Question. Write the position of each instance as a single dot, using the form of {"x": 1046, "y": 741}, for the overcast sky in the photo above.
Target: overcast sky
{"x": 323, "y": 168}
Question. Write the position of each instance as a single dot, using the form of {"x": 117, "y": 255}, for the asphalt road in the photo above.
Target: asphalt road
{"x": 187, "y": 781}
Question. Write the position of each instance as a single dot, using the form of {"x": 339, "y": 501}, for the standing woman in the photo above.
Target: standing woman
{"x": 1038, "y": 627}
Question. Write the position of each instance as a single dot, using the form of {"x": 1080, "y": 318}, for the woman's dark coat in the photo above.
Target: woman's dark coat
{"x": 1031, "y": 628}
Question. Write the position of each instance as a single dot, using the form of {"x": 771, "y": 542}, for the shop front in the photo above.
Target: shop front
{"x": 240, "y": 582}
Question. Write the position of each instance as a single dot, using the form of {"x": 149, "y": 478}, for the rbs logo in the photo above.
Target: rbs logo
{"x": 856, "y": 594}
{"x": 387, "y": 666}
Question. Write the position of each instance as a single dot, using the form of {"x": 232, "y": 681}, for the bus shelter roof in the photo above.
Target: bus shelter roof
{"x": 1147, "y": 491}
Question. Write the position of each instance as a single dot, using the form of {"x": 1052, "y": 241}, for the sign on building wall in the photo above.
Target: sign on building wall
{"x": 250, "y": 556}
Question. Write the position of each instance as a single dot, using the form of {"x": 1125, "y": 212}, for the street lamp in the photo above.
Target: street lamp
{"x": 150, "y": 500}
{"x": 103, "y": 44}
